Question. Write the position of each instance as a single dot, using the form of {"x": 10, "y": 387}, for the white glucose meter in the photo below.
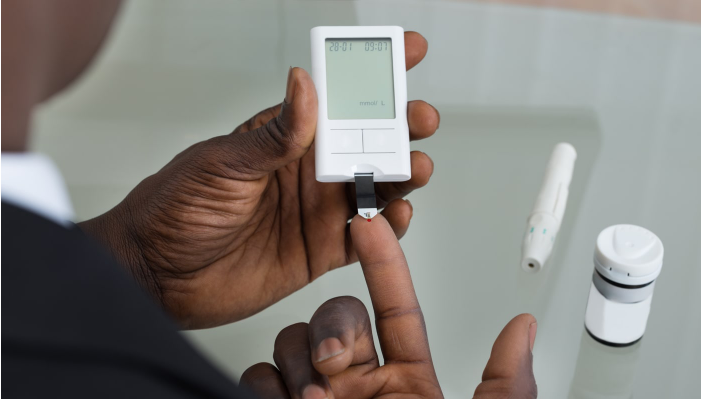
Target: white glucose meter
{"x": 362, "y": 125}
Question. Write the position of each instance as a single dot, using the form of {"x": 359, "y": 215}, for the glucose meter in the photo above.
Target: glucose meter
{"x": 362, "y": 126}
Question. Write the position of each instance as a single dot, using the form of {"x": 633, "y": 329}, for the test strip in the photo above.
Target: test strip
{"x": 365, "y": 194}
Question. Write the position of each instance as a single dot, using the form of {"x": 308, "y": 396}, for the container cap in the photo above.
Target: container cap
{"x": 629, "y": 254}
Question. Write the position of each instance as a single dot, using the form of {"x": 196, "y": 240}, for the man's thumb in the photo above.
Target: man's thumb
{"x": 508, "y": 373}
{"x": 280, "y": 140}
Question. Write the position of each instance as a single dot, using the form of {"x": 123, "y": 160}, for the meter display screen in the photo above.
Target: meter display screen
{"x": 359, "y": 78}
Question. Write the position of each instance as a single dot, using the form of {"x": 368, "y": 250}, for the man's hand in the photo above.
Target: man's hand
{"x": 233, "y": 224}
{"x": 335, "y": 356}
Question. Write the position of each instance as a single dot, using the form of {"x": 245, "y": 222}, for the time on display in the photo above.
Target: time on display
{"x": 368, "y": 46}
{"x": 376, "y": 46}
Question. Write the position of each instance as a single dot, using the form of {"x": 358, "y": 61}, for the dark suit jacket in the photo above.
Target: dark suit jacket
{"x": 74, "y": 324}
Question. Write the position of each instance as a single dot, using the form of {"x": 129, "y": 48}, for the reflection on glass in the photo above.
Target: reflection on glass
{"x": 604, "y": 372}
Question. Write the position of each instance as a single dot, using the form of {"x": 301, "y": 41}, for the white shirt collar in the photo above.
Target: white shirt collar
{"x": 32, "y": 181}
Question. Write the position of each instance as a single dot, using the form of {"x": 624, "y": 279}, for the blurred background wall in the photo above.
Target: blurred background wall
{"x": 675, "y": 10}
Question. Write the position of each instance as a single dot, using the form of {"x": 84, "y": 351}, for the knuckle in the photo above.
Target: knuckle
{"x": 259, "y": 119}
{"x": 397, "y": 312}
{"x": 213, "y": 157}
{"x": 277, "y": 137}
{"x": 383, "y": 261}
{"x": 256, "y": 371}
{"x": 291, "y": 332}
{"x": 342, "y": 303}
{"x": 341, "y": 308}
{"x": 238, "y": 154}
{"x": 267, "y": 115}
{"x": 339, "y": 317}
{"x": 291, "y": 343}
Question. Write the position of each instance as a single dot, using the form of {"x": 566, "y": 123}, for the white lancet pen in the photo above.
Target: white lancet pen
{"x": 545, "y": 220}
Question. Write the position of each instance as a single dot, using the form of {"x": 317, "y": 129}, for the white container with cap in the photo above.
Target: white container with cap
{"x": 628, "y": 260}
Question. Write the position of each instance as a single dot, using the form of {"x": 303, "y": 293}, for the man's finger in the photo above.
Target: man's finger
{"x": 398, "y": 213}
{"x": 265, "y": 381}
{"x": 508, "y": 373}
{"x": 415, "y": 49}
{"x": 260, "y": 119}
{"x": 399, "y": 321}
{"x": 272, "y": 140}
{"x": 292, "y": 356}
{"x": 423, "y": 119}
{"x": 340, "y": 336}
{"x": 421, "y": 169}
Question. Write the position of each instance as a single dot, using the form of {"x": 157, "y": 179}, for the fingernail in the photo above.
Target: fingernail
{"x": 328, "y": 348}
{"x": 290, "y": 87}
{"x": 410, "y": 204}
{"x": 314, "y": 392}
{"x": 533, "y": 334}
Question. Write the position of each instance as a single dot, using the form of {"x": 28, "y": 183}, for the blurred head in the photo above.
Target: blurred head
{"x": 46, "y": 45}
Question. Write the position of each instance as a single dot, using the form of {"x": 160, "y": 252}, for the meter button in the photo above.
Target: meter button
{"x": 380, "y": 141}
{"x": 345, "y": 141}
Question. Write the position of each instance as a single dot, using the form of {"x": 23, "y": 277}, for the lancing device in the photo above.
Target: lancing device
{"x": 362, "y": 126}
{"x": 545, "y": 220}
